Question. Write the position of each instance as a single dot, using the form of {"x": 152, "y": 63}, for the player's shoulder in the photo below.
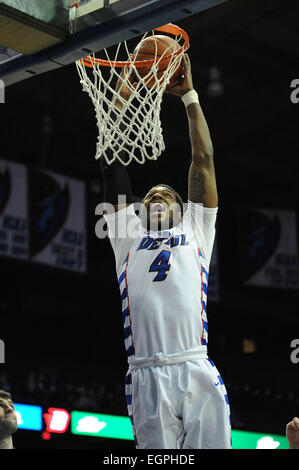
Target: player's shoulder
{"x": 196, "y": 212}
{"x": 199, "y": 206}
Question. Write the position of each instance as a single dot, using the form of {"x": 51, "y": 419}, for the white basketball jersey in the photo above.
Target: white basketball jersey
{"x": 163, "y": 279}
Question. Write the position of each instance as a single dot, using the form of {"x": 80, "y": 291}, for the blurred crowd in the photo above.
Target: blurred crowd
{"x": 52, "y": 386}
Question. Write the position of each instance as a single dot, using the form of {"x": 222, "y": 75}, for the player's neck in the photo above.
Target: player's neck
{"x": 6, "y": 443}
{"x": 158, "y": 226}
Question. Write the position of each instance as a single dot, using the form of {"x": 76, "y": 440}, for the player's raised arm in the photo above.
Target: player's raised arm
{"x": 202, "y": 181}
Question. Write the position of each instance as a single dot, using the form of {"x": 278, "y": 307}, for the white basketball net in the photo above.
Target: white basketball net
{"x": 129, "y": 126}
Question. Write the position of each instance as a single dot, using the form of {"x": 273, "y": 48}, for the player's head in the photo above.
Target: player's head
{"x": 8, "y": 418}
{"x": 164, "y": 207}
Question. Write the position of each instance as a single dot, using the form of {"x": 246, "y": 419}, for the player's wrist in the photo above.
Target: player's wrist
{"x": 190, "y": 97}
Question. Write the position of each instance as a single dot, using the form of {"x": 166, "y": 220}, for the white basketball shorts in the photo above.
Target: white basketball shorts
{"x": 179, "y": 406}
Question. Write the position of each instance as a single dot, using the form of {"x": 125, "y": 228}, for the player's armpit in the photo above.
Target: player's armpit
{"x": 202, "y": 186}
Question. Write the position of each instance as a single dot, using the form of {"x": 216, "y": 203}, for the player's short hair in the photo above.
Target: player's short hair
{"x": 177, "y": 196}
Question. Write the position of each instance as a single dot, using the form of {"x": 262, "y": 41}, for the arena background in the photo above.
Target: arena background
{"x": 62, "y": 328}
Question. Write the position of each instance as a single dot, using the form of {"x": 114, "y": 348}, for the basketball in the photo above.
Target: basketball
{"x": 157, "y": 46}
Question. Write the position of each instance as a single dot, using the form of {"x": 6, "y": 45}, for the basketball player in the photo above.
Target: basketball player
{"x": 8, "y": 420}
{"x": 176, "y": 397}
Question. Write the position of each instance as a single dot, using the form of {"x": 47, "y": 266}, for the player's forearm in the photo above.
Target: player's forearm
{"x": 201, "y": 143}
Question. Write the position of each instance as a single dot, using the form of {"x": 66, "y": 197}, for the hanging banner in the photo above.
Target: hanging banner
{"x": 269, "y": 252}
{"x": 13, "y": 210}
{"x": 57, "y": 220}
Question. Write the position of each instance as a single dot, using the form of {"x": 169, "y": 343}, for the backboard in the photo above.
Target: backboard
{"x": 55, "y": 12}
{"x": 49, "y": 35}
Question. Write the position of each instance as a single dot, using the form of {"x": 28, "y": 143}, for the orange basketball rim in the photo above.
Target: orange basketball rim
{"x": 169, "y": 28}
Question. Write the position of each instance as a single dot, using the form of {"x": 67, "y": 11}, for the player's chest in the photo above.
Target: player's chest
{"x": 162, "y": 255}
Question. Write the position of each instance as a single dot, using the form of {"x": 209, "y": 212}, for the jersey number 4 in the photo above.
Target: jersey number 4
{"x": 161, "y": 265}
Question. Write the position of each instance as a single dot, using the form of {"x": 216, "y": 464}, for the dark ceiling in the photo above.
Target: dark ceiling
{"x": 253, "y": 43}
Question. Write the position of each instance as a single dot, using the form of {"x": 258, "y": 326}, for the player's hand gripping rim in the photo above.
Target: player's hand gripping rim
{"x": 185, "y": 82}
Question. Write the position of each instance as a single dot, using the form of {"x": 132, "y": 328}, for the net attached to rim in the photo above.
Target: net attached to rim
{"x": 128, "y": 103}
